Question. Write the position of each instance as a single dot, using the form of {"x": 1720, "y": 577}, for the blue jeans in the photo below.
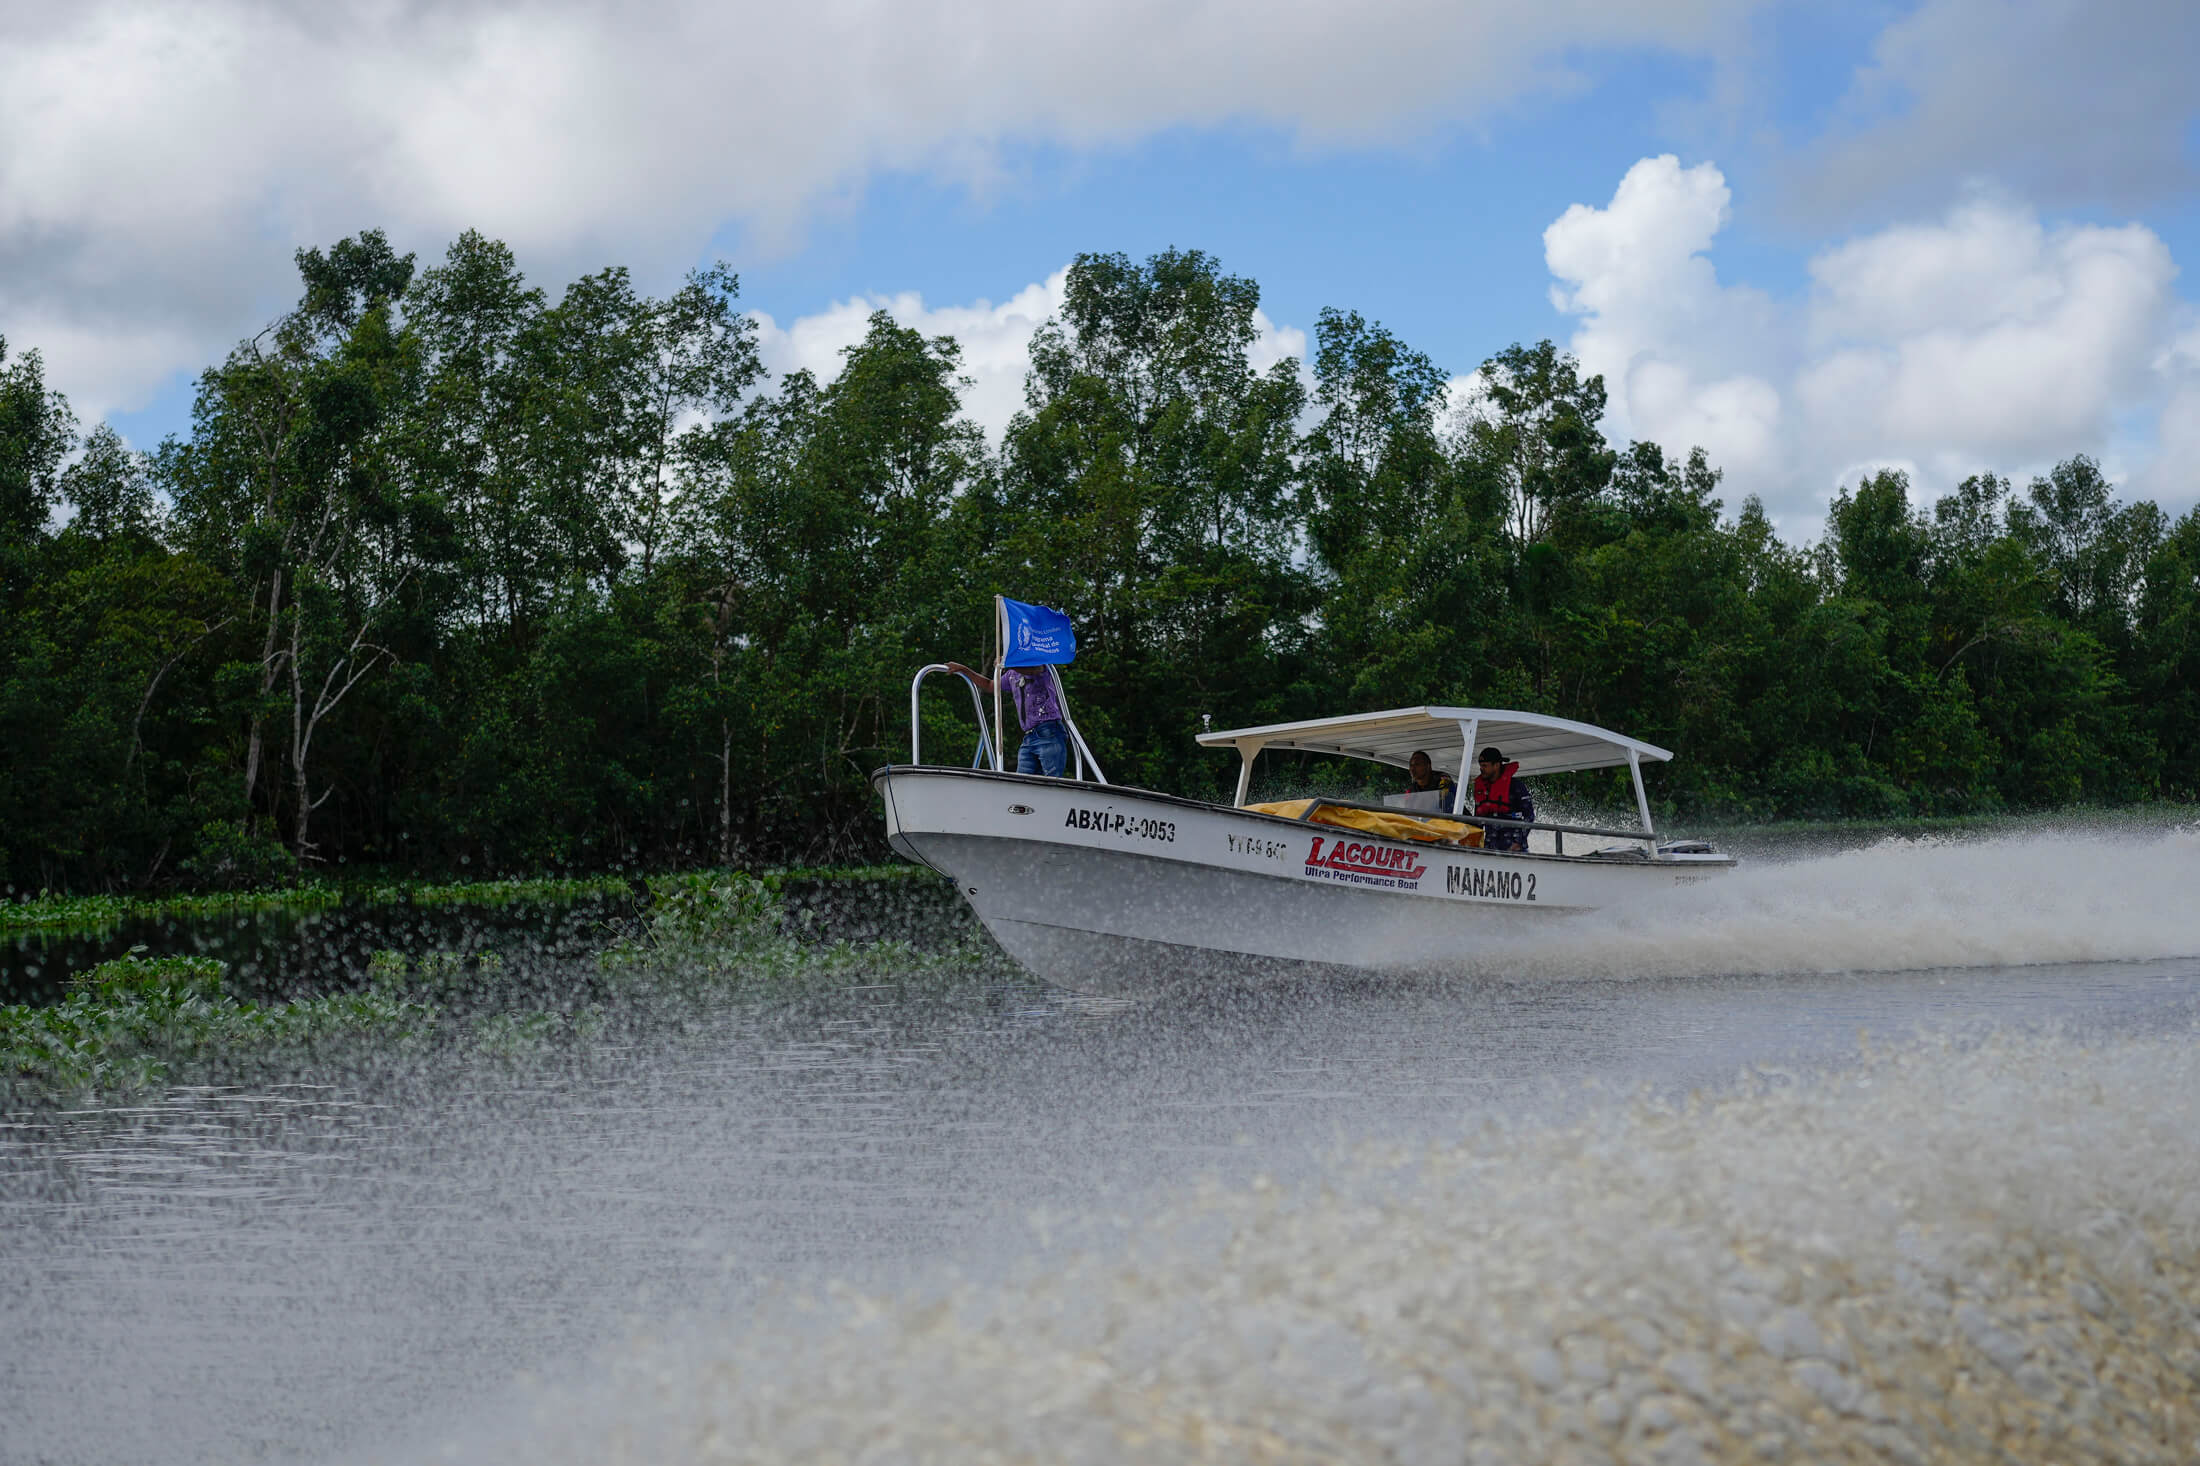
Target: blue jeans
{"x": 1045, "y": 750}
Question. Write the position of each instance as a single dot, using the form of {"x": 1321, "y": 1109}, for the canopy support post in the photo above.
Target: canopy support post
{"x": 1000, "y": 664}
{"x": 1465, "y": 785}
{"x": 1642, "y": 800}
{"x": 1245, "y": 773}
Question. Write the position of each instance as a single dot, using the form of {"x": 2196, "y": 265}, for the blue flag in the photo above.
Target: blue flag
{"x": 1038, "y": 636}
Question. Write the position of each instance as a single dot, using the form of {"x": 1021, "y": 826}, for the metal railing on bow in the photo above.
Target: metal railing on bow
{"x": 983, "y": 758}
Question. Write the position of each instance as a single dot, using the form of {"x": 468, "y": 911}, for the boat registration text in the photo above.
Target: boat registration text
{"x": 1129, "y": 826}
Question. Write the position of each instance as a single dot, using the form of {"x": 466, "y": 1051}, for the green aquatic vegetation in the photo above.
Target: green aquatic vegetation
{"x": 704, "y": 913}
{"x": 440, "y": 966}
{"x": 493, "y": 893}
{"x": 438, "y": 977}
{"x": 778, "y": 878}
{"x": 707, "y": 939}
{"x": 47, "y": 911}
{"x": 518, "y": 1036}
{"x": 700, "y": 931}
{"x": 712, "y": 928}
{"x": 712, "y": 932}
{"x": 131, "y": 1023}
{"x": 152, "y": 980}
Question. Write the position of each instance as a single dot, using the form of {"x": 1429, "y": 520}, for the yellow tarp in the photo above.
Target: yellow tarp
{"x": 1374, "y": 822}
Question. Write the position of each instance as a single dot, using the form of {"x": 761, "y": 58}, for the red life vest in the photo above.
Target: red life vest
{"x": 1493, "y": 797}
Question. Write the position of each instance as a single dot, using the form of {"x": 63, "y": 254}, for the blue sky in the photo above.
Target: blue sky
{"x": 1440, "y": 236}
{"x": 1997, "y": 196}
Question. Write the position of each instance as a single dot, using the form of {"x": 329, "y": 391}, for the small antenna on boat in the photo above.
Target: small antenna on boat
{"x": 1206, "y": 722}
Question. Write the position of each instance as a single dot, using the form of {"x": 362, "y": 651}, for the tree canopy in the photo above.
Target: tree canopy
{"x": 449, "y": 573}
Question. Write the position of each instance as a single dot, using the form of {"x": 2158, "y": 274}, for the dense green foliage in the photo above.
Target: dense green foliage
{"x": 451, "y": 577}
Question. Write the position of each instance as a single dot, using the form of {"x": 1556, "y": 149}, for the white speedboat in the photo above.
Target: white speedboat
{"x": 1109, "y": 889}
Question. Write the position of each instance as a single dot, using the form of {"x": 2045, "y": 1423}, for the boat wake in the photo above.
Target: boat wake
{"x": 1899, "y": 905}
{"x": 1941, "y": 1253}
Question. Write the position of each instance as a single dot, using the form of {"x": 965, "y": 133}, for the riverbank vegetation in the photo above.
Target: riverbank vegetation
{"x": 450, "y": 574}
{"x": 49, "y": 912}
{"x": 140, "y": 1022}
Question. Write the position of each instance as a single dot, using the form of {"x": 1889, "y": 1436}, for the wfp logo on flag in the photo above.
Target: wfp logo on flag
{"x": 1038, "y": 636}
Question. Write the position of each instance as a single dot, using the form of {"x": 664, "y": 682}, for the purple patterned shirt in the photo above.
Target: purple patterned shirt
{"x": 1033, "y": 690}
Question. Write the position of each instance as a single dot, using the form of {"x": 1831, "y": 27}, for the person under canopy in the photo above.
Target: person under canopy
{"x": 1501, "y": 794}
{"x": 1425, "y": 778}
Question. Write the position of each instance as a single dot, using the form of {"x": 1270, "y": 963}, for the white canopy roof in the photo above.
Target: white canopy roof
{"x": 1541, "y": 745}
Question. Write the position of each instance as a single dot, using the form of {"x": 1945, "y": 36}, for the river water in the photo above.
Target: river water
{"x": 1886, "y": 1153}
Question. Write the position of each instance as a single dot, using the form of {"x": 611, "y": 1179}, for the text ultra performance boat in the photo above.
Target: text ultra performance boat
{"x": 1109, "y": 889}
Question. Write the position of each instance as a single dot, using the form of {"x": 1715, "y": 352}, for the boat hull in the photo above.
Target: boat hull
{"x": 1113, "y": 890}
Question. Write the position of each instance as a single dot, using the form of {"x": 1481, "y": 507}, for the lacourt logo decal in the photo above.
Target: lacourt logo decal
{"x": 1365, "y": 865}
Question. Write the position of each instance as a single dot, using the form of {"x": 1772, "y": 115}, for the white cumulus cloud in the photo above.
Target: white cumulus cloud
{"x": 160, "y": 159}
{"x": 995, "y": 341}
{"x": 1983, "y": 339}
{"x": 1685, "y": 359}
{"x": 2174, "y": 475}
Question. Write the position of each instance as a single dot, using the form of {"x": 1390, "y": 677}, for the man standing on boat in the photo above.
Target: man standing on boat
{"x": 1501, "y": 794}
{"x": 1045, "y": 745}
{"x": 1035, "y": 643}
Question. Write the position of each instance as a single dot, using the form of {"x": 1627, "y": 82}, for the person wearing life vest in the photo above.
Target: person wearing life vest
{"x": 1501, "y": 794}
